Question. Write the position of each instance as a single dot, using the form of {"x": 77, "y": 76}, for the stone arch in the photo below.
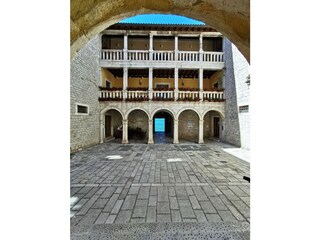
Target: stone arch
{"x": 102, "y": 120}
{"x": 232, "y": 18}
{"x": 189, "y": 124}
{"x": 136, "y": 108}
{"x": 188, "y": 108}
{"x": 168, "y": 134}
{"x": 103, "y": 111}
{"x": 212, "y": 127}
{"x": 168, "y": 110}
{"x": 208, "y": 110}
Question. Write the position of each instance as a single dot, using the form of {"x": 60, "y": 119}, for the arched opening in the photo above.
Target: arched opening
{"x": 188, "y": 126}
{"x": 112, "y": 125}
{"x": 163, "y": 125}
{"x": 231, "y": 19}
{"x": 212, "y": 126}
{"x": 138, "y": 126}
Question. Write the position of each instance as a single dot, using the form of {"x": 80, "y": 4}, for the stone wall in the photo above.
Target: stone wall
{"x": 241, "y": 70}
{"x": 237, "y": 125}
{"x": 85, "y": 79}
{"x": 188, "y": 126}
{"x": 138, "y": 119}
{"x": 231, "y": 127}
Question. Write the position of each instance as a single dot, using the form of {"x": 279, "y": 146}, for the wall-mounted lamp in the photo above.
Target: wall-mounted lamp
{"x": 182, "y": 82}
{"x": 248, "y": 80}
{"x": 140, "y": 81}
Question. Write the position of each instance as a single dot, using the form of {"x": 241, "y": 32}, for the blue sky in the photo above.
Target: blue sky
{"x": 161, "y": 18}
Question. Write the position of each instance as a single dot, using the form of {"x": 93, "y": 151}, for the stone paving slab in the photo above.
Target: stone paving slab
{"x": 215, "y": 231}
{"x": 205, "y": 184}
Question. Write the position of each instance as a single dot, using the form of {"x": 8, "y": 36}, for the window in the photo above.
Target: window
{"x": 108, "y": 84}
{"x": 82, "y": 109}
{"x": 244, "y": 108}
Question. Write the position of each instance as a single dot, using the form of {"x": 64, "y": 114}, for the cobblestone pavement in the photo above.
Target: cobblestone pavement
{"x": 140, "y": 183}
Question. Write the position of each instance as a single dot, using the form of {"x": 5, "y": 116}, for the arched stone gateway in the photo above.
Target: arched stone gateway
{"x": 136, "y": 125}
{"x": 110, "y": 123}
{"x": 213, "y": 125}
{"x": 230, "y": 17}
{"x": 163, "y": 125}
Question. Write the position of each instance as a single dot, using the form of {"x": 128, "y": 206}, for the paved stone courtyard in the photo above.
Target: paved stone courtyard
{"x": 162, "y": 183}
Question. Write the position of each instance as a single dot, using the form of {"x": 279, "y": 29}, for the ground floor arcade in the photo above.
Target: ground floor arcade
{"x": 163, "y": 125}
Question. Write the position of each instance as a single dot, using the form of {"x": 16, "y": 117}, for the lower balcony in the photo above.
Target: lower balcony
{"x": 182, "y": 95}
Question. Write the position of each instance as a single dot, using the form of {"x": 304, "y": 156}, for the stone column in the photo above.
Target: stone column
{"x": 150, "y": 132}
{"x": 176, "y": 83}
{"x": 125, "y": 82}
{"x": 201, "y": 83}
{"x": 175, "y": 132}
{"x": 176, "y": 48}
{"x": 125, "y": 46}
{"x": 200, "y": 48}
{"x": 150, "y": 82}
{"x": 150, "y": 47}
{"x": 125, "y": 131}
{"x": 101, "y": 128}
{"x": 200, "y": 130}
{"x": 112, "y": 132}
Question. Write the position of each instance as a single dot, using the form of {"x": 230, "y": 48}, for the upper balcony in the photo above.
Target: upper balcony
{"x": 162, "y": 49}
{"x": 144, "y": 58}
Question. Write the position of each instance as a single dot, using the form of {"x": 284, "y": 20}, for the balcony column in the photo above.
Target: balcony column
{"x": 125, "y": 46}
{"x": 176, "y": 50}
{"x": 176, "y": 83}
{"x": 101, "y": 128}
{"x": 200, "y": 48}
{"x": 201, "y": 131}
{"x": 201, "y": 83}
{"x": 125, "y": 82}
{"x": 125, "y": 131}
{"x": 150, "y": 132}
{"x": 150, "y": 47}
{"x": 150, "y": 82}
{"x": 175, "y": 131}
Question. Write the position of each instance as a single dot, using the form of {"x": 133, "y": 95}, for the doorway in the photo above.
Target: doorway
{"x": 216, "y": 127}
{"x": 163, "y": 127}
{"x": 107, "y": 126}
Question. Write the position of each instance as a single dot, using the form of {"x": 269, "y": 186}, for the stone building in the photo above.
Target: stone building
{"x": 189, "y": 78}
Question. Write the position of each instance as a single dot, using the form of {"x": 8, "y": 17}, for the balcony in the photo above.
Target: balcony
{"x": 144, "y": 58}
{"x": 161, "y": 95}
{"x": 145, "y": 55}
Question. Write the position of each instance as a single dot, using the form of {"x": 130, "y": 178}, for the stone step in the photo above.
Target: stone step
{"x": 215, "y": 231}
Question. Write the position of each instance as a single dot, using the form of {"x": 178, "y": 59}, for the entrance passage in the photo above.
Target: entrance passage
{"x": 163, "y": 128}
{"x": 159, "y": 125}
